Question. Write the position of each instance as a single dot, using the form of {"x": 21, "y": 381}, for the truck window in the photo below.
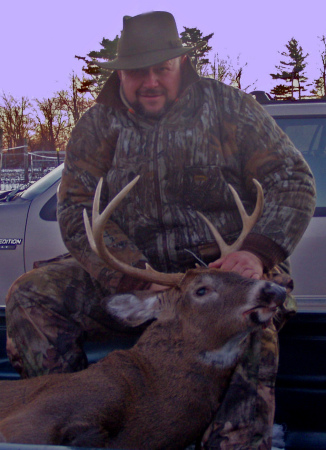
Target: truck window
{"x": 309, "y": 136}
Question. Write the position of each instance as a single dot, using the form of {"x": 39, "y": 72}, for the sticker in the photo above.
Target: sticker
{"x": 9, "y": 243}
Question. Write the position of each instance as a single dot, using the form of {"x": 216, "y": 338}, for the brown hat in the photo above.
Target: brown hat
{"x": 146, "y": 40}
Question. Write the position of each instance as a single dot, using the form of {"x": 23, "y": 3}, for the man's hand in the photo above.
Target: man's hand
{"x": 245, "y": 263}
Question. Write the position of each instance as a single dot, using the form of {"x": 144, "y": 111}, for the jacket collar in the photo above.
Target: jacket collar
{"x": 110, "y": 93}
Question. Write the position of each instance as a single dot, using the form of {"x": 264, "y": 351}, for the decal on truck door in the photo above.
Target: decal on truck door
{"x": 9, "y": 243}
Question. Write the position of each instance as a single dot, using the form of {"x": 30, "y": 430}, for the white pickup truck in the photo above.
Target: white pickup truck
{"x": 29, "y": 230}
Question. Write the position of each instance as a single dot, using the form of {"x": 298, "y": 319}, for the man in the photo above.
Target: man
{"x": 187, "y": 138}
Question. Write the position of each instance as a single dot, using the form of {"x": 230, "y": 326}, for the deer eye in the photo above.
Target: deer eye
{"x": 201, "y": 291}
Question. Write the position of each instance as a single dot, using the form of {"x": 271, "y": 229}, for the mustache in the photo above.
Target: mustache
{"x": 151, "y": 92}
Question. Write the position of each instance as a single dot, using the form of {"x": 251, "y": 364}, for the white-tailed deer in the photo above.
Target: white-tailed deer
{"x": 163, "y": 392}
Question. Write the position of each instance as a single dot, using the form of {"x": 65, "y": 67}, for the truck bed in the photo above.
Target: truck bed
{"x": 301, "y": 381}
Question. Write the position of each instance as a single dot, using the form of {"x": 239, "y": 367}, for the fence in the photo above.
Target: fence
{"x": 19, "y": 167}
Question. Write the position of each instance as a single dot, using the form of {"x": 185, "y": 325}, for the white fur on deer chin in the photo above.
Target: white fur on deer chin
{"x": 226, "y": 356}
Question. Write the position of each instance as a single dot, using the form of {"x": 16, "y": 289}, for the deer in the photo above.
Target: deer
{"x": 164, "y": 391}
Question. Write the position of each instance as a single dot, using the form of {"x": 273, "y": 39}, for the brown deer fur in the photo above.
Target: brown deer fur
{"x": 163, "y": 392}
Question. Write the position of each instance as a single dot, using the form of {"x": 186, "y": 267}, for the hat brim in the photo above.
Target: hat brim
{"x": 147, "y": 59}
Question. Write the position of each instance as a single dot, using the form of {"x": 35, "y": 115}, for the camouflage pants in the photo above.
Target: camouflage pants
{"x": 245, "y": 418}
{"x": 51, "y": 311}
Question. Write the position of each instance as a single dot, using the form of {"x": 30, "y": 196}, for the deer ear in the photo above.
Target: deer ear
{"x": 132, "y": 310}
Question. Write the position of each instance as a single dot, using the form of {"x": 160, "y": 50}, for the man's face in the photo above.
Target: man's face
{"x": 152, "y": 90}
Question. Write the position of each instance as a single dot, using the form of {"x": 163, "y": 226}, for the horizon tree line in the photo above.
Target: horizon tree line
{"x": 46, "y": 124}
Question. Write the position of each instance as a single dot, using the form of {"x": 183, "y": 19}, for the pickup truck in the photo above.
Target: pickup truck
{"x": 29, "y": 232}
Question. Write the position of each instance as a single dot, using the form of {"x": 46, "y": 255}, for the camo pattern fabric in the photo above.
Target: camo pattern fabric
{"x": 213, "y": 135}
{"x": 245, "y": 418}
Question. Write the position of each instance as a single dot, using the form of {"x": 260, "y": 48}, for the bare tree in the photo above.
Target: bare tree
{"x": 221, "y": 68}
{"x": 55, "y": 117}
{"x": 224, "y": 70}
{"x": 15, "y": 120}
{"x": 52, "y": 125}
{"x": 320, "y": 84}
{"x": 237, "y": 75}
{"x": 74, "y": 102}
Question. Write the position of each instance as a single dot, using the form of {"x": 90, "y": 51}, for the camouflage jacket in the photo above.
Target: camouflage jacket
{"x": 213, "y": 135}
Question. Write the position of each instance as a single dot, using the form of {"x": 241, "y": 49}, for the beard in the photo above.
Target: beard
{"x": 141, "y": 110}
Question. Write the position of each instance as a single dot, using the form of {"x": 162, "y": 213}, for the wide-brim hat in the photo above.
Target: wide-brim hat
{"x": 146, "y": 40}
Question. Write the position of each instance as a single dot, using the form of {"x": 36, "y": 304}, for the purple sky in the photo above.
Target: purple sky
{"x": 39, "y": 39}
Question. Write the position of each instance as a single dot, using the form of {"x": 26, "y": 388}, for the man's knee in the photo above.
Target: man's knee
{"x": 42, "y": 336}
{"x": 17, "y": 297}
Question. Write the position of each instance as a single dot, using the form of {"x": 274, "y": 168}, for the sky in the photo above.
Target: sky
{"x": 39, "y": 39}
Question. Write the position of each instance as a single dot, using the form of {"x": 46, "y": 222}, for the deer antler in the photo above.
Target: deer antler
{"x": 95, "y": 237}
{"x": 96, "y": 240}
{"x": 247, "y": 221}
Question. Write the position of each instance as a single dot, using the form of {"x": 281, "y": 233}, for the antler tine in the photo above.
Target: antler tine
{"x": 99, "y": 220}
{"x": 89, "y": 232}
{"x": 96, "y": 241}
{"x": 96, "y": 201}
{"x": 247, "y": 221}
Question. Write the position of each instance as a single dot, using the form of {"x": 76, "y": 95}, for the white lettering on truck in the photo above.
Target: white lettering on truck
{"x": 10, "y": 241}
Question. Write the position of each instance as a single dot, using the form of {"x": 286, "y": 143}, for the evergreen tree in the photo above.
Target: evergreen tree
{"x": 191, "y": 37}
{"x": 282, "y": 92}
{"x": 295, "y": 77}
{"x": 98, "y": 75}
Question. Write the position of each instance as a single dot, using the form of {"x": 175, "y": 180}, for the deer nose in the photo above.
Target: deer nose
{"x": 272, "y": 292}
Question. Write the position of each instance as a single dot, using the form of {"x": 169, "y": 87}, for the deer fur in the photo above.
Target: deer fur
{"x": 163, "y": 392}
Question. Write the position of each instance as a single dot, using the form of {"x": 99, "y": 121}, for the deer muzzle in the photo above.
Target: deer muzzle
{"x": 269, "y": 297}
